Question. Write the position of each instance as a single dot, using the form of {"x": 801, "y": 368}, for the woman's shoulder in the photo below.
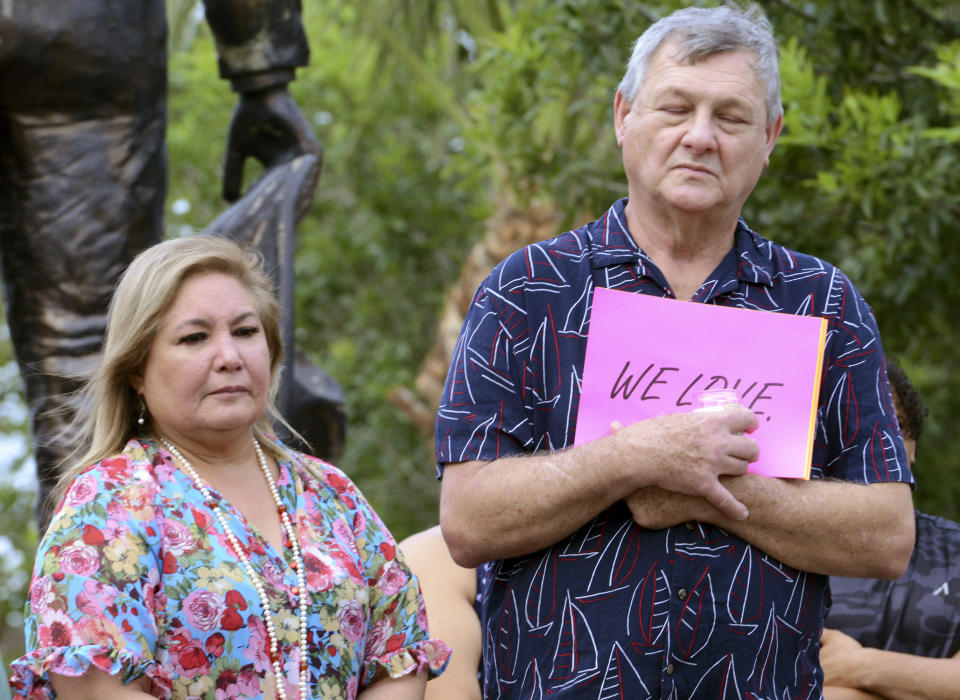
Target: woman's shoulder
{"x": 130, "y": 476}
{"x": 135, "y": 460}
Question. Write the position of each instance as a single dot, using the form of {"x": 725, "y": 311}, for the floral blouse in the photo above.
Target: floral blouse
{"x": 135, "y": 577}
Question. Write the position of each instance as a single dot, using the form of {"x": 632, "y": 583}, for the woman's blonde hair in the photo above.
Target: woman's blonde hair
{"x": 108, "y": 409}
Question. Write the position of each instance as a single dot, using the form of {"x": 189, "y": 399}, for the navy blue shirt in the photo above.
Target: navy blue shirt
{"x": 918, "y": 613}
{"x": 615, "y": 610}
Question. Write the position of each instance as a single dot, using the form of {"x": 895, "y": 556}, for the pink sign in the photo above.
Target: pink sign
{"x": 647, "y": 356}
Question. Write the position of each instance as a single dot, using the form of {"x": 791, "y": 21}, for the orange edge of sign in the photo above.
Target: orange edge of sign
{"x": 815, "y": 399}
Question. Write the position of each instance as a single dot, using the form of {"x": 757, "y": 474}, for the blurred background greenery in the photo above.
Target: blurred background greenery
{"x": 448, "y": 123}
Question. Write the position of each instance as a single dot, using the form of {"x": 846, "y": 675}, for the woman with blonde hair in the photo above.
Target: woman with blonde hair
{"x": 192, "y": 554}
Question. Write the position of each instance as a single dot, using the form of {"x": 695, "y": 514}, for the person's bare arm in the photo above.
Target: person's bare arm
{"x": 835, "y": 692}
{"x": 408, "y": 687}
{"x": 449, "y": 591}
{"x": 94, "y": 684}
{"x": 823, "y": 526}
{"x": 517, "y": 505}
{"x": 887, "y": 674}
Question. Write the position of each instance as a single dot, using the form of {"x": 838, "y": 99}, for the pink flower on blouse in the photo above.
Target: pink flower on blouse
{"x": 345, "y": 536}
{"x": 313, "y": 511}
{"x": 203, "y": 609}
{"x": 256, "y": 649}
{"x": 272, "y": 575}
{"x": 79, "y": 559}
{"x": 83, "y": 490}
{"x": 177, "y": 538}
{"x": 350, "y": 615}
{"x": 249, "y": 683}
{"x": 321, "y": 570}
{"x": 41, "y": 594}
{"x": 393, "y": 579}
{"x": 291, "y": 672}
{"x": 56, "y": 629}
{"x": 164, "y": 470}
{"x": 377, "y": 639}
{"x": 227, "y": 688}
{"x": 114, "y": 526}
{"x": 95, "y": 598}
{"x": 422, "y": 615}
{"x": 352, "y": 688}
{"x": 102, "y": 629}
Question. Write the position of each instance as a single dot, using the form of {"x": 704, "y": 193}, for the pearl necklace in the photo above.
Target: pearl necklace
{"x": 297, "y": 564}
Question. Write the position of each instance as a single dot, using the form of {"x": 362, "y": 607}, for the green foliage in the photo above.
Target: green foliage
{"x": 865, "y": 176}
{"x": 947, "y": 74}
{"x": 199, "y": 108}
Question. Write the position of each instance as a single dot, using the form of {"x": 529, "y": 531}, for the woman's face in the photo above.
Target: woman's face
{"x": 208, "y": 369}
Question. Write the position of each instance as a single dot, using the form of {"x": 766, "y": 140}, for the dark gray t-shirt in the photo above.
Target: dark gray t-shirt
{"x": 918, "y": 613}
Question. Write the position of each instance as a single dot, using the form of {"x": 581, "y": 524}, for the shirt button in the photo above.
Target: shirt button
{"x": 669, "y": 669}
{"x": 682, "y": 594}
{"x": 689, "y": 526}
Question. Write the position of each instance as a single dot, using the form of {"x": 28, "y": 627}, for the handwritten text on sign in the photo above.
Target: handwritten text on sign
{"x": 647, "y": 356}
{"x": 625, "y": 385}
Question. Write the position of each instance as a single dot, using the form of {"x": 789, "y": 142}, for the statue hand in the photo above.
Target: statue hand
{"x": 266, "y": 125}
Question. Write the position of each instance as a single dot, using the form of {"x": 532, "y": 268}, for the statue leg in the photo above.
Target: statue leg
{"x": 80, "y": 198}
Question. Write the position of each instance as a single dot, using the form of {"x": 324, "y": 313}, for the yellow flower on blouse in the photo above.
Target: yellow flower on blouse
{"x": 288, "y": 627}
{"x": 200, "y": 686}
{"x": 122, "y": 556}
{"x": 329, "y": 689}
{"x": 219, "y": 578}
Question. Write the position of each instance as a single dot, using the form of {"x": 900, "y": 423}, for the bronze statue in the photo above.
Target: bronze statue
{"x": 83, "y": 173}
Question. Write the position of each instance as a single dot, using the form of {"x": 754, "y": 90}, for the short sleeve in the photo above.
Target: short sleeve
{"x": 857, "y": 437}
{"x": 482, "y": 415}
{"x": 397, "y": 639}
{"x": 92, "y": 598}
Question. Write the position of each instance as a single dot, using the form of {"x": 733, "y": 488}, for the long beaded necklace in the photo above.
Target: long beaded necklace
{"x": 300, "y": 590}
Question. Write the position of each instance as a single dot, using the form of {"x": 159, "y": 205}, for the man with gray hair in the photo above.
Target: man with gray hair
{"x": 648, "y": 563}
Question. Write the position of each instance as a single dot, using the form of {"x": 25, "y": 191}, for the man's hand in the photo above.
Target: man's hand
{"x": 528, "y": 502}
{"x": 266, "y": 125}
{"x": 655, "y": 508}
{"x": 840, "y": 658}
{"x": 693, "y": 450}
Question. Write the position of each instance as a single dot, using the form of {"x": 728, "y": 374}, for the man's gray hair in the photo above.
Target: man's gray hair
{"x": 703, "y": 32}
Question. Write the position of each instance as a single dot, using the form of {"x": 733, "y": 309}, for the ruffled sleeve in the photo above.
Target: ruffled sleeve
{"x": 397, "y": 637}
{"x": 92, "y": 598}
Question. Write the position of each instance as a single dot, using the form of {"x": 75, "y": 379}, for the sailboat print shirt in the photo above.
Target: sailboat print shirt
{"x": 615, "y": 610}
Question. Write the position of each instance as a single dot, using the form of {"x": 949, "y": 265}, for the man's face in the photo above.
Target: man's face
{"x": 695, "y": 138}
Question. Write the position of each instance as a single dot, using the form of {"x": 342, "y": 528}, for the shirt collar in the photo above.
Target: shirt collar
{"x": 612, "y": 244}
